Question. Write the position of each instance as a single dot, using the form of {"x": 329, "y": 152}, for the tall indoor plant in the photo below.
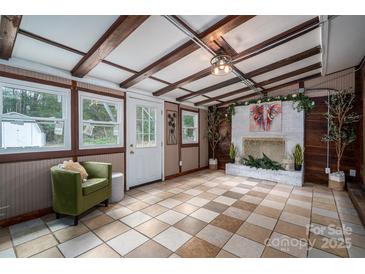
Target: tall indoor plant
{"x": 341, "y": 119}
{"x": 215, "y": 118}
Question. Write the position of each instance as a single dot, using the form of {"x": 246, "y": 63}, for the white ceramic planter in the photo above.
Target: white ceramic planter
{"x": 213, "y": 163}
{"x": 337, "y": 180}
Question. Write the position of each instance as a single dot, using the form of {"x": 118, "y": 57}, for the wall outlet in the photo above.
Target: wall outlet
{"x": 327, "y": 170}
{"x": 353, "y": 172}
{"x": 180, "y": 163}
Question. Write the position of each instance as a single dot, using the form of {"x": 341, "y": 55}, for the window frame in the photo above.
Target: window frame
{"x": 193, "y": 113}
{"x": 149, "y": 125}
{"x": 66, "y": 114}
{"x": 120, "y": 122}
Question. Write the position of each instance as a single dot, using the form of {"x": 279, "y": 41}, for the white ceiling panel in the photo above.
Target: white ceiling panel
{"x": 155, "y": 38}
{"x": 226, "y": 89}
{"x": 38, "y": 52}
{"x": 200, "y": 23}
{"x": 149, "y": 85}
{"x": 109, "y": 73}
{"x": 208, "y": 81}
{"x": 261, "y": 28}
{"x": 238, "y": 95}
{"x": 295, "y": 46}
{"x": 293, "y": 78}
{"x": 211, "y": 103}
{"x": 196, "y": 99}
{"x": 289, "y": 68}
{"x": 79, "y": 32}
{"x": 346, "y": 42}
{"x": 177, "y": 93}
{"x": 190, "y": 64}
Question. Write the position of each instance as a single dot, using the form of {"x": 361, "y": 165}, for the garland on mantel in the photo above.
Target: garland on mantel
{"x": 302, "y": 102}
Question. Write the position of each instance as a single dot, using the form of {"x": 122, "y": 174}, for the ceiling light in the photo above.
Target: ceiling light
{"x": 221, "y": 65}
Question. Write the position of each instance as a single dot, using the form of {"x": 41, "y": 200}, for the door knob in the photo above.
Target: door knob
{"x": 131, "y": 152}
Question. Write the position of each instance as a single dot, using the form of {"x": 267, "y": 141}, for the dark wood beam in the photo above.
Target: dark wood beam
{"x": 116, "y": 34}
{"x": 263, "y": 83}
{"x": 226, "y": 24}
{"x": 281, "y": 63}
{"x": 244, "y": 97}
{"x": 9, "y": 27}
{"x": 266, "y": 45}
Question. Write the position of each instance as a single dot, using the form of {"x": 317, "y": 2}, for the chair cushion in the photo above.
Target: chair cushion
{"x": 94, "y": 184}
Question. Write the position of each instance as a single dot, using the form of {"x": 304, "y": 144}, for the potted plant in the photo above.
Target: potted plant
{"x": 215, "y": 118}
{"x": 341, "y": 131}
{"x": 298, "y": 157}
{"x": 232, "y": 153}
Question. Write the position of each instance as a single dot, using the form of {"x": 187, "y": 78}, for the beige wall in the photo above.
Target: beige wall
{"x": 171, "y": 151}
{"x": 203, "y": 138}
{"x": 116, "y": 159}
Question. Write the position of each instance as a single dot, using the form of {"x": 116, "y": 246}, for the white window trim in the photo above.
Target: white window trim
{"x": 191, "y": 113}
{"x": 120, "y": 121}
{"x": 66, "y": 113}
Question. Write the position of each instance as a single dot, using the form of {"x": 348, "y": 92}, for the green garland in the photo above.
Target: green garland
{"x": 302, "y": 102}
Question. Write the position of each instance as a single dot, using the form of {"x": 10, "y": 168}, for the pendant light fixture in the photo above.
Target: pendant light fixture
{"x": 221, "y": 64}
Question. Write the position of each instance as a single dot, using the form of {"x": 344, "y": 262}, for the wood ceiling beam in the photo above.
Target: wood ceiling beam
{"x": 281, "y": 63}
{"x": 116, "y": 34}
{"x": 263, "y": 83}
{"x": 9, "y": 27}
{"x": 235, "y": 100}
{"x": 225, "y": 25}
{"x": 266, "y": 45}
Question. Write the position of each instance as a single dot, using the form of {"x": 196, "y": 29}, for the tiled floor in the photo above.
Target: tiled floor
{"x": 205, "y": 214}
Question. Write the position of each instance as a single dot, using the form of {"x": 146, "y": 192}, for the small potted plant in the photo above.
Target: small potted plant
{"x": 298, "y": 157}
{"x": 341, "y": 120}
{"x": 232, "y": 153}
{"x": 215, "y": 118}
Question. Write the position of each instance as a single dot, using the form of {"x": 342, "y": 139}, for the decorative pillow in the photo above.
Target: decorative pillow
{"x": 75, "y": 166}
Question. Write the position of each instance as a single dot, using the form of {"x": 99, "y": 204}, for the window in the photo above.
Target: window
{"x": 33, "y": 117}
{"x": 145, "y": 126}
{"x": 189, "y": 127}
{"x": 100, "y": 121}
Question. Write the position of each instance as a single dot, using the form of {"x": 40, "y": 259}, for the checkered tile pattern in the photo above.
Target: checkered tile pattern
{"x": 205, "y": 214}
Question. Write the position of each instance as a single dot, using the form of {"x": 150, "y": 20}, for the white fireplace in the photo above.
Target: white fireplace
{"x": 276, "y": 145}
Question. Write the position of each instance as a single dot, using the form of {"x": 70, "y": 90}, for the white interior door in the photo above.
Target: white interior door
{"x": 144, "y": 141}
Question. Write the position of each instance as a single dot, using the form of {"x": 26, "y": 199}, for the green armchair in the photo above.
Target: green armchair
{"x": 72, "y": 196}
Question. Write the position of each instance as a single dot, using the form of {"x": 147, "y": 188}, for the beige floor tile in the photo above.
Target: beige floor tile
{"x": 243, "y": 247}
{"x": 126, "y": 242}
{"x": 68, "y": 233}
{"x": 226, "y": 222}
{"x": 225, "y": 200}
{"x": 35, "y": 246}
{"x": 186, "y": 208}
{"x": 98, "y": 221}
{"x": 318, "y": 253}
{"x": 251, "y": 199}
{"x": 257, "y": 194}
{"x": 5, "y": 242}
{"x": 111, "y": 230}
{"x": 274, "y": 253}
{"x": 254, "y": 232}
{"x": 295, "y": 247}
{"x": 292, "y": 230}
{"x": 261, "y": 220}
{"x": 150, "y": 249}
{"x": 298, "y": 210}
{"x": 172, "y": 238}
{"x": 268, "y": 211}
{"x": 79, "y": 245}
{"x": 330, "y": 246}
{"x": 154, "y": 210}
{"x": 325, "y": 220}
{"x": 204, "y": 215}
{"x": 224, "y": 254}
{"x": 301, "y": 198}
{"x": 170, "y": 203}
{"x": 136, "y": 219}
{"x": 237, "y": 213}
{"x": 119, "y": 212}
{"x": 214, "y": 235}
{"x": 49, "y": 253}
{"x": 208, "y": 196}
{"x": 324, "y": 206}
{"x": 245, "y": 205}
{"x": 152, "y": 227}
{"x": 216, "y": 207}
{"x": 197, "y": 201}
{"x": 295, "y": 219}
{"x": 356, "y": 240}
{"x": 197, "y": 248}
{"x": 171, "y": 217}
{"x": 182, "y": 197}
{"x": 347, "y": 218}
{"x": 137, "y": 206}
{"x": 190, "y": 225}
{"x": 276, "y": 198}
{"x": 101, "y": 251}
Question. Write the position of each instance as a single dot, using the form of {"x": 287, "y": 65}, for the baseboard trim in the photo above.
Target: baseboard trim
{"x": 25, "y": 217}
{"x": 185, "y": 173}
{"x": 357, "y": 196}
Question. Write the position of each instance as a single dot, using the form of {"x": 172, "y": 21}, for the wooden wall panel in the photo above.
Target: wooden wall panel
{"x": 171, "y": 151}
{"x": 203, "y": 138}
